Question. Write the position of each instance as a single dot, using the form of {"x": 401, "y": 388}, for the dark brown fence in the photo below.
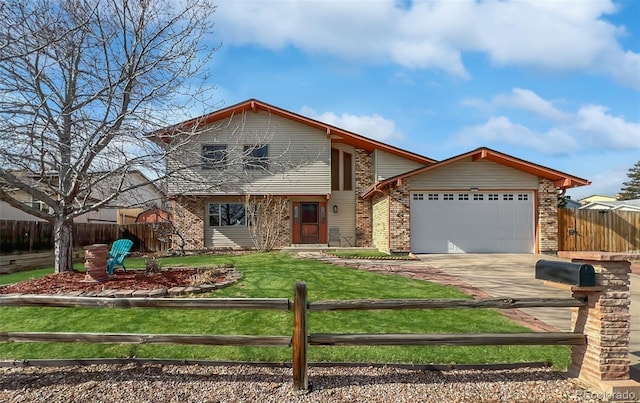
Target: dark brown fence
{"x": 37, "y": 236}
{"x": 599, "y": 230}
{"x": 299, "y": 339}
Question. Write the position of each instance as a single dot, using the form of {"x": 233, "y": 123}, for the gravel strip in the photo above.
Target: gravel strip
{"x": 244, "y": 383}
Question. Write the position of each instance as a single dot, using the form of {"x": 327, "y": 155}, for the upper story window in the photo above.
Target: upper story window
{"x": 214, "y": 156}
{"x": 335, "y": 169}
{"x": 226, "y": 214}
{"x": 341, "y": 170}
{"x": 256, "y": 157}
{"x": 347, "y": 171}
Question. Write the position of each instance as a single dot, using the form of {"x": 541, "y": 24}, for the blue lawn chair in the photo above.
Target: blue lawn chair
{"x": 119, "y": 250}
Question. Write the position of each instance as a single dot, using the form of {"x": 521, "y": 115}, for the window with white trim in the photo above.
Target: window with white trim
{"x": 478, "y": 196}
{"x": 226, "y": 214}
{"x": 507, "y": 196}
{"x": 433, "y": 196}
{"x": 463, "y": 196}
{"x": 523, "y": 196}
{"x": 418, "y": 196}
{"x": 493, "y": 196}
{"x": 447, "y": 196}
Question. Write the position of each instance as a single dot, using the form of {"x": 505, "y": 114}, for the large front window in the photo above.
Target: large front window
{"x": 226, "y": 214}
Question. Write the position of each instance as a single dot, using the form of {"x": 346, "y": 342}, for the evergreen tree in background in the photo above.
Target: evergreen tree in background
{"x": 631, "y": 188}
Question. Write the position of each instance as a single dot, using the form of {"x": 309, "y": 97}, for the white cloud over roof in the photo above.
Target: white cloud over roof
{"x": 373, "y": 126}
{"x": 588, "y": 126}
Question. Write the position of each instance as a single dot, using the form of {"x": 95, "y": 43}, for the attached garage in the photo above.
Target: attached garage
{"x": 472, "y": 222}
{"x": 482, "y": 201}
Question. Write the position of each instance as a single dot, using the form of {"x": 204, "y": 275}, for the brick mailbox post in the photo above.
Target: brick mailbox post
{"x": 603, "y": 363}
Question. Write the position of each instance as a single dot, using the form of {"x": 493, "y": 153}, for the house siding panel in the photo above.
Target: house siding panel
{"x": 228, "y": 237}
{"x": 345, "y": 218}
{"x": 388, "y": 165}
{"x": 467, "y": 173}
{"x": 299, "y": 159}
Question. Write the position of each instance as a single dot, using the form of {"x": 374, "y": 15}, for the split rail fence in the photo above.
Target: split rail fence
{"x": 300, "y": 339}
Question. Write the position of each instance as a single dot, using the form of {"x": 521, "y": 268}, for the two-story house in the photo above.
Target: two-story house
{"x": 342, "y": 188}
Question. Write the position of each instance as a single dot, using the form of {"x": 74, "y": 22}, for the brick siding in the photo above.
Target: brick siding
{"x": 364, "y": 180}
{"x": 547, "y": 216}
{"x": 399, "y": 219}
{"x": 188, "y": 219}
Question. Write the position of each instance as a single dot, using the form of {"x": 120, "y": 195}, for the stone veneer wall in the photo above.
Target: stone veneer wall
{"x": 364, "y": 180}
{"x": 547, "y": 216}
{"x": 188, "y": 218}
{"x": 399, "y": 219}
{"x": 381, "y": 222}
{"x": 603, "y": 362}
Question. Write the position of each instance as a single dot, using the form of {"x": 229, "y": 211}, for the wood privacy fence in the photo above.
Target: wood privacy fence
{"x": 598, "y": 230}
{"x": 299, "y": 340}
{"x": 35, "y": 236}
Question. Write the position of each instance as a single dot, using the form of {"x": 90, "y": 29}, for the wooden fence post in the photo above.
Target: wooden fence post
{"x": 299, "y": 342}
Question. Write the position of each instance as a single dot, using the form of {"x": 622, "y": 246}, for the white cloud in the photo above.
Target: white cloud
{"x": 565, "y": 36}
{"x": 502, "y": 130}
{"x": 530, "y": 101}
{"x": 603, "y": 129}
{"x": 591, "y": 126}
{"x": 372, "y": 126}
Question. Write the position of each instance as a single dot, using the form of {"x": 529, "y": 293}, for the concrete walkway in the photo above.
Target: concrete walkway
{"x": 497, "y": 275}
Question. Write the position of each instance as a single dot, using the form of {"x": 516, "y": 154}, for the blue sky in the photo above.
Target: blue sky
{"x": 553, "y": 82}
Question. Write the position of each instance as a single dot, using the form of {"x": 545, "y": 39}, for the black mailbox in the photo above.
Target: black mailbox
{"x": 581, "y": 275}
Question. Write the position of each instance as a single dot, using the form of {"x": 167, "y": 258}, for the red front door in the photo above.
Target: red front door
{"x": 309, "y": 223}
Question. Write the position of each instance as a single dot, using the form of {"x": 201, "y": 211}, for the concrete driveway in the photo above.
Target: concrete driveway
{"x": 513, "y": 275}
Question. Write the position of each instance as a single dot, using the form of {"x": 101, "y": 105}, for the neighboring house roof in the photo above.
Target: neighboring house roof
{"x": 137, "y": 195}
{"x": 336, "y": 134}
{"x": 620, "y": 205}
{"x": 572, "y": 204}
{"x": 560, "y": 179}
{"x": 596, "y": 197}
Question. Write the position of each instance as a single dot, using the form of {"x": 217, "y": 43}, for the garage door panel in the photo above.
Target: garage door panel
{"x": 499, "y": 224}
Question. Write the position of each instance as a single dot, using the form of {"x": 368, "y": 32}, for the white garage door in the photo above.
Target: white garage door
{"x": 472, "y": 222}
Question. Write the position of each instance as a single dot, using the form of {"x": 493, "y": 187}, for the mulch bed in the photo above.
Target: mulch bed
{"x": 76, "y": 281}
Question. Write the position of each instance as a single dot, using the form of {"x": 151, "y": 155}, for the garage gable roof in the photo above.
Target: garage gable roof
{"x": 336, "y": 134}
{"x": 560, "y": 179}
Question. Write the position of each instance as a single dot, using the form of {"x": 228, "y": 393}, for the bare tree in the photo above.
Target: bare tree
{"x": 267, "y": 220}
{"x": 82, "y": 83}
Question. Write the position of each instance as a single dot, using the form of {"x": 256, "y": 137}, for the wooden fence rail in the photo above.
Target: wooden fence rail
{"x": 299, "y": 339}
{"x": 599, "y": 230}
{"x": 61, "y": 301}
{"x": 496, "y": 303}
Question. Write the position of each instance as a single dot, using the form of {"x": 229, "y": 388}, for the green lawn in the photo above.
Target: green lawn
{"x": 273, "y": 275}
